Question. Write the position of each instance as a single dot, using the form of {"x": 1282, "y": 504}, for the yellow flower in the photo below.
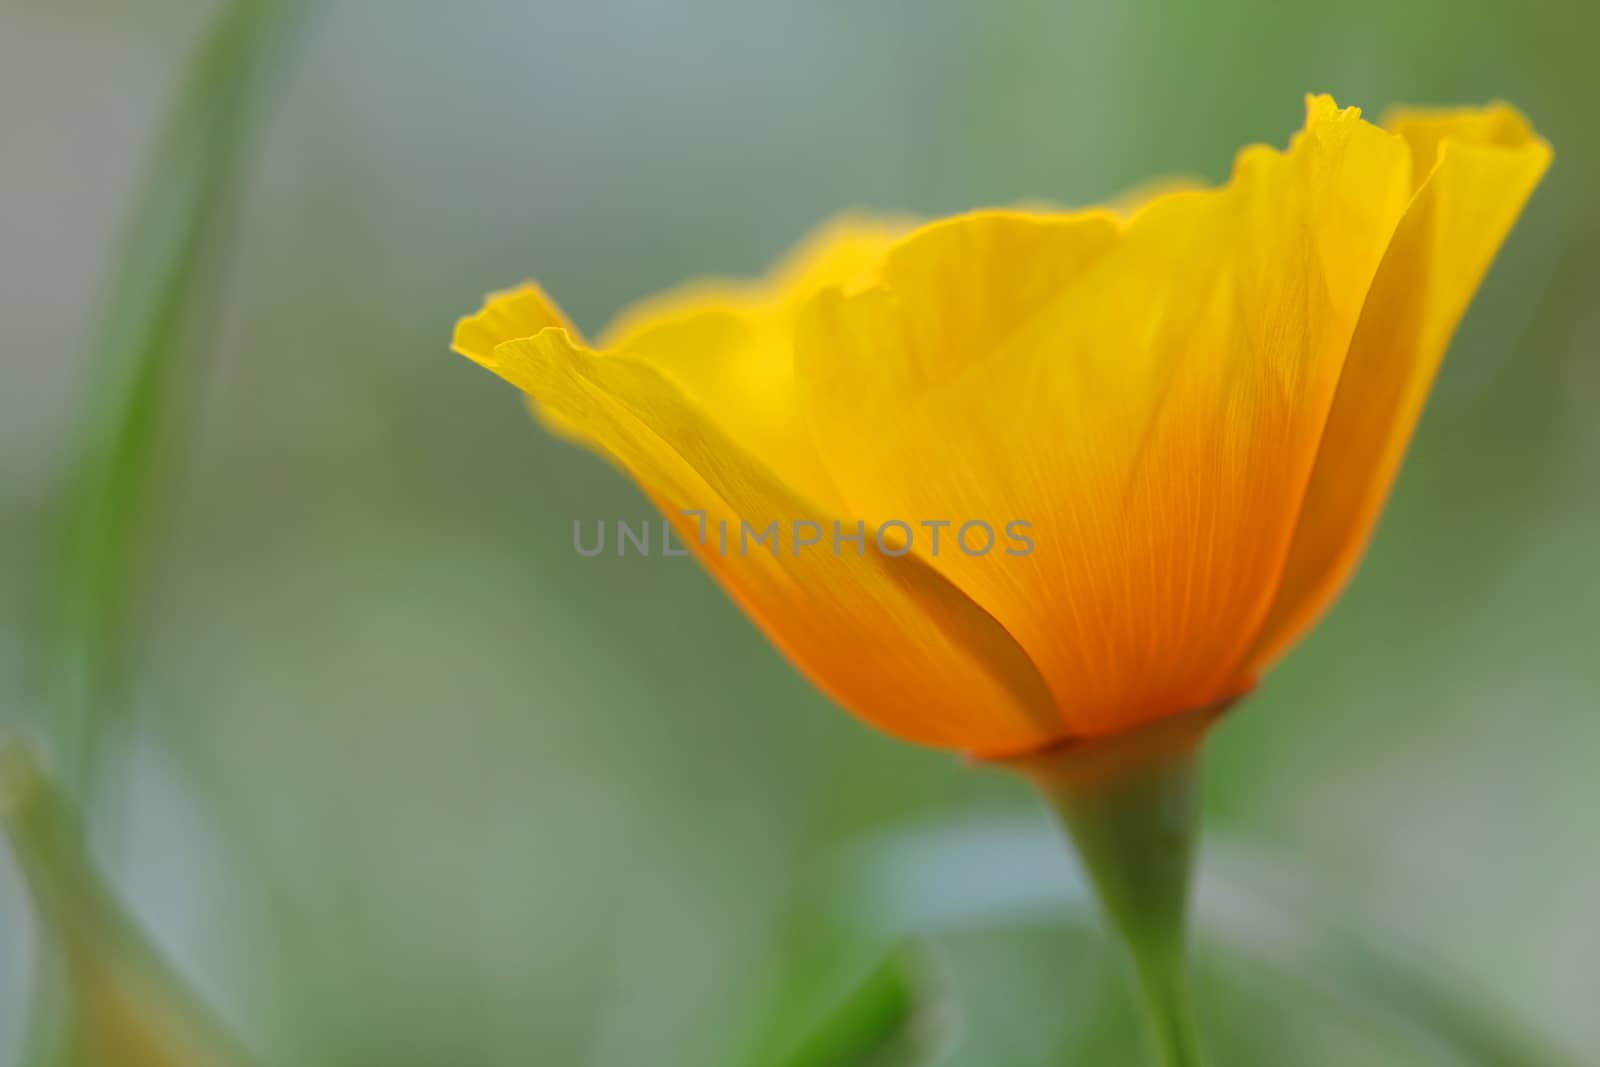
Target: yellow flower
{"x": 1177, "y": 423}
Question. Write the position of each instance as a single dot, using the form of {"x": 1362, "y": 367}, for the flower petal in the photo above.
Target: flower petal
{"x": 1147, "y": 394}
{"x": 729, "y": 345}
{"x": 1475, "y": 169}
{"x": 887, "y": 637}
{"x": 510, "y": 314}
{"x": 506, "y": 316}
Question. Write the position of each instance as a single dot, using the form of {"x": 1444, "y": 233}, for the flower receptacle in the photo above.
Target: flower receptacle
{"x": 1130, "y": 802}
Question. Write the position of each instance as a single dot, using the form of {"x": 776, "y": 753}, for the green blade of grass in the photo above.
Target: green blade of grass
{"x": 872, "y": 1024}
{"x": 173, "y": 247}
{"x": 128, "y": 1007}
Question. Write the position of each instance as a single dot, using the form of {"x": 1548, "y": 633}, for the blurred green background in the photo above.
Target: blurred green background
{"x": 395, "y": 777}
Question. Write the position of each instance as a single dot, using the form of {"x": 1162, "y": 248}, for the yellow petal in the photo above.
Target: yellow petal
{"x": 506, "y": 316}
{"x": 713, "y": 362}
{"x": 1475, "y": 169}
{"x": 729, "y": 346}
{"x": 1132, "y": 201}
{"x": 885, "y": 636}
{"x": 1148, "y": 395}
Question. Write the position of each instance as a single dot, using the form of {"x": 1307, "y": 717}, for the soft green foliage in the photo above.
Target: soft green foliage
{"x": 162, "y": 292}
{"x": 397, "y": 778}
{"x": 125, "y": 1008}
{"x": 158, "y": 293}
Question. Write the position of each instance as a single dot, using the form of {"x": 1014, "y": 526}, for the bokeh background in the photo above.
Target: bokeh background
{"x": 393, "y": 776}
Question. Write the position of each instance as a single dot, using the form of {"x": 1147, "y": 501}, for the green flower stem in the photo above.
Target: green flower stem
{"x": 127, "y": 1006}
{"x": 1130, "y": 803}
{"x": 160, "y": 290}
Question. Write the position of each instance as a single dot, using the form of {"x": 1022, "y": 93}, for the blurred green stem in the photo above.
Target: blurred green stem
{"x": 162, "y": 281}
{"x": 171, "y": 252}
{"x": 1130, "y": 803}
{"x": 866, "y": 1022}
{"x": 128, "y": 1007}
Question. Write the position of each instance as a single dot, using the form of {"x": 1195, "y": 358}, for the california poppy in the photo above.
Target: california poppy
{"x": 1190, "y": 408}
